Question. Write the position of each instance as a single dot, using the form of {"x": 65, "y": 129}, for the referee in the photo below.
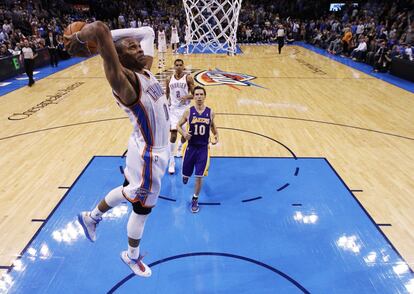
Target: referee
{"x": 29, "y": 54}
{"x": 280, "y": 38}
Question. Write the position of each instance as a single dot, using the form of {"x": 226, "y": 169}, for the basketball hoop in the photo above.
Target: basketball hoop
{"x": 212, "y": 25}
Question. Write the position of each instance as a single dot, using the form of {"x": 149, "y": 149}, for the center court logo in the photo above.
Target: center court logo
{"x": 218, "y": 77}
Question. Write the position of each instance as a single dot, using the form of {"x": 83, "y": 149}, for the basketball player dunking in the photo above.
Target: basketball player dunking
{"x": 139, "y": 93}
{"x": 196, "y": 156}
{"x": 179, "y": 88}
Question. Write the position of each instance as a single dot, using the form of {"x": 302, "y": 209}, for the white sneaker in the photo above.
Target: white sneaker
{"x": 88, "y": 224}
{"x": 137, "y": 266}
{"x": 171, "y": 167}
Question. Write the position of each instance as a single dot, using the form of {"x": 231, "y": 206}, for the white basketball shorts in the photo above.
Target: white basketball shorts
{"x": 174, "y": 39}
{"x": 176, "y": 113}
{"x": 145, "y": 167}
{"x": 162, "y": 48}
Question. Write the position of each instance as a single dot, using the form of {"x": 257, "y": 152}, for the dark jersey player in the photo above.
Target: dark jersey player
{"x": 200, "y": 119}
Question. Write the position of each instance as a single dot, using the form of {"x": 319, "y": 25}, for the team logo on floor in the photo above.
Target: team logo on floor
{"x": 218, "y": 77}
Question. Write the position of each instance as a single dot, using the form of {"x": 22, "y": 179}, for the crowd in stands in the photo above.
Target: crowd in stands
{"x": 373, "y": 32}
{"x": 34, "y": 21}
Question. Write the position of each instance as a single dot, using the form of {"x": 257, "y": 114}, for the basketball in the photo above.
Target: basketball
{"x": 76, "y": 27}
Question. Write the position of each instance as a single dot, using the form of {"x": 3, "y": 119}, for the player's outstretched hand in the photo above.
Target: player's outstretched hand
{"x": 74, "y": 47}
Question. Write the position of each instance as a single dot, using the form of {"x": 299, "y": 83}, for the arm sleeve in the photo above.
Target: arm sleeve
{"x": 145, "y": 35}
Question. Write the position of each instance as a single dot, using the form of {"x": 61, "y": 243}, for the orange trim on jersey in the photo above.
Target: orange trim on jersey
{"x": 139, "y": 104}
{"x": 150, "y": 175}
{"x": 136, "y": 200}
{"x": 148, "y": 122}
{"x": 145, "y": 168}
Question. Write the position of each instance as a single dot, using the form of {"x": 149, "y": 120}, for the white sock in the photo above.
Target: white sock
{"x": 133, "y": 252}
{"x": 96, "y": 214}
{"x": 172, "y": 150}
{"x": 113, "y": 198}
{"x": 135, "y": 229}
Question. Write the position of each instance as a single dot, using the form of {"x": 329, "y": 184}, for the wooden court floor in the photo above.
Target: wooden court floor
{"x": 312, "y": 105}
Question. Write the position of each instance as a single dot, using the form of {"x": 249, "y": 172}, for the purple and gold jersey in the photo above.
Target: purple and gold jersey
{"x": 199, "y": 126}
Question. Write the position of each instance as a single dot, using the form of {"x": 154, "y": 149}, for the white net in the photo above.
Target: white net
{"x": 212, "y": 25}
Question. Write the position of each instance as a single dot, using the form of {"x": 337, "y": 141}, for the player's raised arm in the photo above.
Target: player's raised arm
{"x": 145, "y": 37}
{"x": 117, "y": 76}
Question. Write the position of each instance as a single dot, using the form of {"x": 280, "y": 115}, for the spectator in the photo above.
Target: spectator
{"x": 382, "y": 58}
{"x": 7, "y": 28}
{"x": 347, "y": 41}
{"x": 408, "y": 52}
{"x": 3, "y": 36}
{"x": 335, "y": 46}
{"x": 360, "y": 52}
{"x": 360, "y": 29}
{"x": 52, "y": 46}
{"x": 4, "y": 52}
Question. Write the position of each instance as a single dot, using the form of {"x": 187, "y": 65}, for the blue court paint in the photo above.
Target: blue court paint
{"x": 20, "y": 81}
{"x": 205, "y": 49}
{"x": 327, "y": 245}
{"x": 365, "y": 68}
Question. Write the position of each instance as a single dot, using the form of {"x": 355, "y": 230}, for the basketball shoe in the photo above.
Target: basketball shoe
{"x": 136, "y": 265}
{"x": 171, "y": 167}
{"x": 194, "y": 206}
{"x": 88, "y": 224}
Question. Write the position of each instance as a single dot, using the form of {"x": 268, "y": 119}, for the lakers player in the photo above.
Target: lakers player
{"x": 162, "y": 47}
{"x": 139, "y": 93}
{"x": 178, "y": 89}
{"x": 200, "y": 119}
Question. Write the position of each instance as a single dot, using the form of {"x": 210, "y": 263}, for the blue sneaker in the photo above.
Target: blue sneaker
{"x": 88, "y": 224}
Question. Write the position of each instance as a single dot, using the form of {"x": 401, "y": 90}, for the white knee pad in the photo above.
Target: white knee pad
{"x": 136, "y": 224}
{"x": 114, "y": 197}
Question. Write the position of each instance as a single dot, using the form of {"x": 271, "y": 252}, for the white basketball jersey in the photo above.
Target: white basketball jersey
{"x": 149, "y": 115}
{"x": 161, "y": 38}
{"x": 178, "y": 89}
{"x": 174, "y": 31}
